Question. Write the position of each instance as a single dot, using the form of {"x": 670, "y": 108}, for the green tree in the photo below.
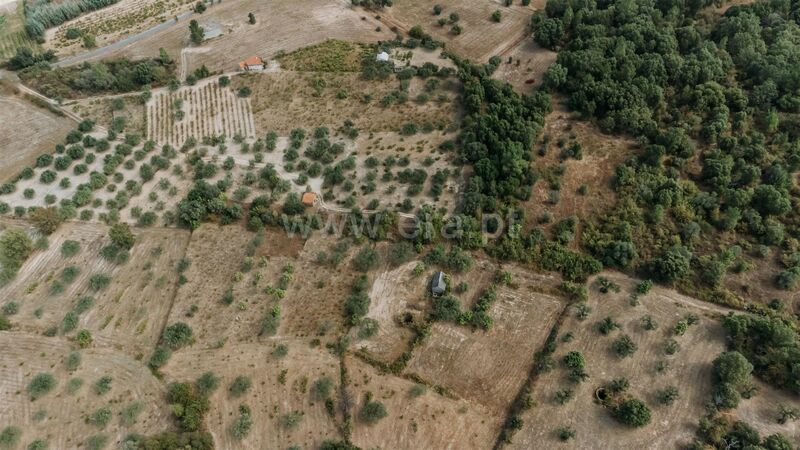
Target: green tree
{"x": 196, "y": 32}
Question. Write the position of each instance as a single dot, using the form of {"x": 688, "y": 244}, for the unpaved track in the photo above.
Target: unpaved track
{"x": 104, "y": 51}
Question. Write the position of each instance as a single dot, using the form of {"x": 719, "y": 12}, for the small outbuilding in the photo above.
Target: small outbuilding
{"x": 382, "y": 56}
{"x": 438, "y": 284}
{"x": 253, "y": 63}
{"x": 309, "y": 198}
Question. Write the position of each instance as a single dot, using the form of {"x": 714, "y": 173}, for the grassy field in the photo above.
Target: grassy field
{"x": 12, "y": 31}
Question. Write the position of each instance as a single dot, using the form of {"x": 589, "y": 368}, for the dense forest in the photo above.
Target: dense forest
{"x": 713, "y": 102}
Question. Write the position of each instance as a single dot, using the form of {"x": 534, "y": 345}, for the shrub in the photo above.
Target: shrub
{"x": 73, "y": 361}
{"x": 100, "y": 418}
{"x": 99, "y": 281}
{"x": 372, "y": 412}
{"x": 177, "y": 335}
{"x": 83, "y": 338}
{"x": 122, "y": 236}
{"x": 624, "y": 346}
{"x": 632, "y": 412}
{"x": 366, "y": 259}
{"x": 9, "y": 437}
{"x": 207, "y": 383}
{"x": 102, "y": 385}
{"x": 159, "y": 357}
{"x": 129, "y": 413}
{"x": 668, "y": 395}
{"x": 240, "y": 385}
{"x": 41, "y": 384}
{"x": 322, "y": 388}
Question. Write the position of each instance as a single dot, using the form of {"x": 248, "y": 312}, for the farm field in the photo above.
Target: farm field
{"x": 281, "y": 386}
{"x": 556, "y": 195}
{"x": 12, "y": 29}
{"x": 285, "y": 100}
{"x": 113, "y": 23}
{"x": 417, "y": 419}
{"x": 524, "y": 65}
{"x": 210, "y": 111}
{"x": 129, "y": 314}
{"x": 59, "y": 417}
{"x": 24, "y": 122}
{"x": 489, "y": 368}
{"x": 102, "y": 111}
{"x": 689, "y": 370}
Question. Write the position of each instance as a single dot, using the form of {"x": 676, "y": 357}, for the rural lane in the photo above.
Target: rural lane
{"x": 104, "y": 51}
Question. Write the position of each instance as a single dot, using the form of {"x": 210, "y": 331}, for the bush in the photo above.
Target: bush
{"x": 366, "y": 259}
{"x": 100, "y": 418}
{"x": 624, "y": 346}
{"x": 372, "y": 412}
{"x": 40, "y": 385}
{"x": 102, "y": 385}
{"x": 207, "y": 383}
{"x": 73, "y": 361}
{"x": 9, "y": 437}
{"x": 240, "y": 385}
{"x": 159, "y": 357}
{"x": 99, "y": 281}
{"x": 632, "y": 412}
{"x": 322, "y": 388}
{"x": 177, "y": 335}
{"x": 83, "y": 338}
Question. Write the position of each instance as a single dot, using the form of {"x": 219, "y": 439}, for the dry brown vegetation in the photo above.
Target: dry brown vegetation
{"x": 480, "y": 39}
{"x": 26, "y": 131}
{"x": 689, "y": 370}
{"x": 286, "y": 100}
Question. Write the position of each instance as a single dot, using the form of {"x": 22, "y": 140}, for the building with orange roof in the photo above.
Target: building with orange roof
{"x": 309, "y": 198}
{"x": 252, "y": 63}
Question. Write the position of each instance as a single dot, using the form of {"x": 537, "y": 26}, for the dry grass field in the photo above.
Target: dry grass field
{"x": 481, "y": 38}
{"x": 100, "y": 110}
{"x": 59, "y": 417}
{"x": 595, "y": 170}
{"x": 279, "y": 386}
{"x": 689, "y": 370}
{"x": 490, "y": 367}
{"x": 128, "y": 315}
{"x": 286, "y": 100}
{"x": 26, "y": 131}
{"x": 524, "y": 65}
{"x": 424, "y": 420}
